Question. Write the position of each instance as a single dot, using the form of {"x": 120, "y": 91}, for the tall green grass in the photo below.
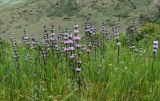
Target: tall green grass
{"x": 102, "y": 80}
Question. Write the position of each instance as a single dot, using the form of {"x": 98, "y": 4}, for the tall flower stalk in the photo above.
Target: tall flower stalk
{"x": 103, "y": 35}
{"x": 26, "y": 42}
{"x": 15, "y": 52}
{"x": 16, "y": 57}
{"x": 44, "y": 52}
{"x": 116, "y": 30}
{"x": 79, "y": 70}
{"x": 155, "y": 49}
{"x": 77, "y": 39}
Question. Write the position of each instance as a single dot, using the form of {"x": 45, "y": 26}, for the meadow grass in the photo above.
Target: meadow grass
{"x": 102, "y": 79}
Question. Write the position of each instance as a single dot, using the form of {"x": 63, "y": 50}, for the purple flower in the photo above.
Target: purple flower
{"x": 77, "y": 45}
{"x": 90, "y": 31}
{"x": 66, "y": 35}
{"x": 70, "y": 35}
{"x": 73, "y": 56}
{"x": 33, "y": 44}
{"x": 78, "y": 69}
{"x": 77, "y": 38}
{"x": 155, "y": 46}
{"x": 65, "y": 42}
{"x": 116, "y": 33}
{"x": 68, "y": 42}
{"x": 66, "y": 49}
{"x": 88, "y": 26}
{"x": 76, "y": 31}
{"x": 86, "y": 30}
{"x": 71, "y": 48}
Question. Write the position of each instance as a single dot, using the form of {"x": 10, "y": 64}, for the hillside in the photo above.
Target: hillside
{"x": 32, "y": 15}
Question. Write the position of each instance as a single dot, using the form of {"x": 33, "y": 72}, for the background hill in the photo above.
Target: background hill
{"x": 34, "y": 14}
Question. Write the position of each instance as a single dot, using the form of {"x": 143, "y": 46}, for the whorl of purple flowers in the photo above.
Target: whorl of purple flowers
{"x": 73, "y": 56}
{"x": 103, "y": 29}
{"x": 90, "y": 29}
{"x": 53, "y": 40}
{"x": 68, "y": 42}
{"x": 155, "y": 46}
{"x": 116, "y": 29}
{"x": 76, "y": 30}
{"x": 116, "y": 32}
{"x": 76, "y": 38}
{"x": 52, "y": 35}
{"x": 79, "y": 69}
{"x": 25, "y": 38}
{"x": 34, "y": 43}
{"x": 66, "y": 35}
{"x": 77, "y": 45}
{"x": 69, "y": 49}
{"x": 14, "y": 45}
{"x": 132, "y": 47}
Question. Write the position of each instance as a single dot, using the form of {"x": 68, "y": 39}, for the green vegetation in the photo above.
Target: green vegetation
{"x": 102, "y": 65}
{"x": 102, "y": 78}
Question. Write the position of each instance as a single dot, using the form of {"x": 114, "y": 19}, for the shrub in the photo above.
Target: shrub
{"x": 123, "y": 14}
{"x": 67, "y": 7}
{"x": 149, "y": 30}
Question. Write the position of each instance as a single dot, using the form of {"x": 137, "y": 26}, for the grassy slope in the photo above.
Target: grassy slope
{"x": 34, "y": 14}
{"x": 8, "y": 3}
{"x": 2, "y": 2}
